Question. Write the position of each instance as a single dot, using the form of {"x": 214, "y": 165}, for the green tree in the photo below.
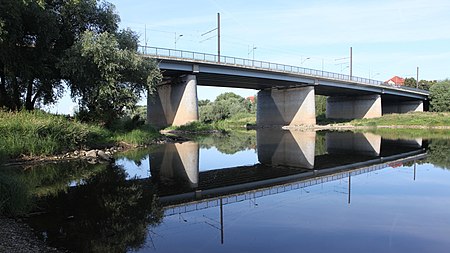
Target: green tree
{"x": 226, "y": 105}
{"x": 440, "y": 96}
{"x": 321, "y": 105}
{"x": 34, "y": 36}
{"x": 107, "y": 76}
{"x": 423, "y": 84}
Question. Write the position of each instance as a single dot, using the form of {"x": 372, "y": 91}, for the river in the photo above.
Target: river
{"x": 255, "y": 191}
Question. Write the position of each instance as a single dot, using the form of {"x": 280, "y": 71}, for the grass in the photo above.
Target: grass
{"x": 408, "y": 133}
{"x": 195, "y": 126}
{"x": 238, "y": 121}
{"x": 143, "y": 135}
{"x": 37, "y": 133}
{"x": 422, "y": 119}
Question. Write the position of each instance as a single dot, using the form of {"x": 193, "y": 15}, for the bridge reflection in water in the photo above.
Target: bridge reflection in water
{"x": 287, "y": 160}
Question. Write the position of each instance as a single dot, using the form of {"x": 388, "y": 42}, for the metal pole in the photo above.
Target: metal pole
{"x": 417, "y": 80}
{"x": 218, "y": 36}
{"x": 145, "y": 38}
{"x": 351, "y": 63}
{"x": 349, "y": 187}
{"x": 253, "y": 52}
{"x": 221, "y": 221}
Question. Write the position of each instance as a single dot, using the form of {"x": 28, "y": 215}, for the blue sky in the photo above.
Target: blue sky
{"x": 388, "y": 37}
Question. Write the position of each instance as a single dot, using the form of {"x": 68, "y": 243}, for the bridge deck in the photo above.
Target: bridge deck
{"x": 251, "y": 74}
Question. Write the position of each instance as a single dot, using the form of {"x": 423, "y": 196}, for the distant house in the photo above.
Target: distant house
{"x": 251, "y": 99}
{"x": 396, "y": 80}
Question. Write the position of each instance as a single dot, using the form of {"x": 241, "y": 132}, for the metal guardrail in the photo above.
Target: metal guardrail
{"x": 263, "y": 65}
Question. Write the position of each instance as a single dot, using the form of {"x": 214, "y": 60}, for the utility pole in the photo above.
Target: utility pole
{"x": 145, "y": 38}
{"x": 417, "y": 79}
{"x": 218, "y": 36}
{"x": 351, "y": 63}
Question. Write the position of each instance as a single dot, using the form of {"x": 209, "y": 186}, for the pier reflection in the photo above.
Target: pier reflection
{"x": 284, "y": 156}
{"x": 176, "y": 162}
{"x": 286, "y": 148}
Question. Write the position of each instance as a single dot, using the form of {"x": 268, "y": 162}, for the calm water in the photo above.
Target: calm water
{"x": 270, "y": 191}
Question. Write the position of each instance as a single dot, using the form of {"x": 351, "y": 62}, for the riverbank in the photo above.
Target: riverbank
{"x": 16, "y": 236}
{"x": 38, "y": 135}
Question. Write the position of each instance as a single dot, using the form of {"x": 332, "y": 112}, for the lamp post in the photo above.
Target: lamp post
{"x": 351, "y": 63}
{"x": 303, "y": 60}
{"x": 177, "y": 38}
{"x": 251, "y": 51}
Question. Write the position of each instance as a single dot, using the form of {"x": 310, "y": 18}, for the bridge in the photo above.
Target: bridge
{"x": 286, "y": 93}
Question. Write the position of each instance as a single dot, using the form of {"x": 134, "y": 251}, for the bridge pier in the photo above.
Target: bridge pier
{"x": 174, "y": 104}
{"x": 287, "y": 107}
{"x": 353, "y": 107}
{"x": 402, "y": 106}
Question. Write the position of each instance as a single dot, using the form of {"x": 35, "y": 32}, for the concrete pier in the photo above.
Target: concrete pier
{"x": 286, "y": 148}
{"x": 402, "y": 106}
{"x": 287, "y": 107}
{"x": 174, "y": 104}
{"x": 353, "y": 107}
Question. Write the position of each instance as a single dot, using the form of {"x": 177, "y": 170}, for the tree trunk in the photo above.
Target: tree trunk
{"x": 4, "y": 100}
{"x": 29, "y": 106}
{"x": 15, "y": 105}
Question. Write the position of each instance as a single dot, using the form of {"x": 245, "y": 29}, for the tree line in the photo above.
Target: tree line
{"x": 439, "y": 92}
{"x": 47, "y": 45}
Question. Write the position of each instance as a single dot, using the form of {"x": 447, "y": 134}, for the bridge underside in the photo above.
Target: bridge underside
{"x": 283, "y": 98}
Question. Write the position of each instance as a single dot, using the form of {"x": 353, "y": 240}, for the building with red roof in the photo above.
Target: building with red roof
{"x": 396, "y": 80}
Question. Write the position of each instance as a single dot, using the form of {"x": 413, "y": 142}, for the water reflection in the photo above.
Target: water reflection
{"x": 353, "y": 143}
{"x": 176, "y": 162}
{"x": 286, "y": 148}
{"x": 177, "y": 207}
{"x": 106, "y": 214}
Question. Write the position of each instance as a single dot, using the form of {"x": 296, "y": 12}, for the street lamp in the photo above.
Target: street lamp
{"x": 251, "y": 51}
{"x": 177, "y": 38}
{"x": 374, "y": 75}
{"x": 302, "y": 61}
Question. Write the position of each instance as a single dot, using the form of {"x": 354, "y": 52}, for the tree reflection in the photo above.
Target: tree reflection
{"x": 230, "y": 142}
{"x": 21, "y": 186}
{"x": 438, "y": 153}
{"x": 106, "y": 214}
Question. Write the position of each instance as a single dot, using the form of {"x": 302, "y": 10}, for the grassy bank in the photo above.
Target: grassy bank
{"x": 38, "y": 133}
{"x": 238, "y": 121}
{"x": 413, "y": 119}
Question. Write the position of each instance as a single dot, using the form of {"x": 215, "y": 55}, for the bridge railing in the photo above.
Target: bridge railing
{"x": 249, "y": 63}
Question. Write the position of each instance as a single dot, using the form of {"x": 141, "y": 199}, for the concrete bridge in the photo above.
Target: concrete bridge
{"x": 286, "y": 93}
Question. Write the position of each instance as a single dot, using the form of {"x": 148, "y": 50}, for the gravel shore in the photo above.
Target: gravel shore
{"x": 18, "y": 237}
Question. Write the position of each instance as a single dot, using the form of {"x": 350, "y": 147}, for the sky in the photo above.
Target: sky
{"x": 388, "y": 37}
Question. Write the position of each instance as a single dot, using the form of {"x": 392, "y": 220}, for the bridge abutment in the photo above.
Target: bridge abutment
{"x": 353, "y": 107}
{"x": 174, "y": 104}
{"x": 402, "y": 107}
{"x": 287, "y": 107}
